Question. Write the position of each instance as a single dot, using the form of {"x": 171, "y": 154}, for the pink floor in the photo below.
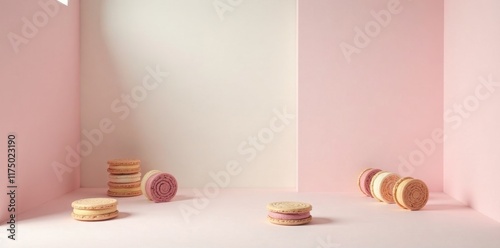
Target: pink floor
{"x": 237, "y": 218}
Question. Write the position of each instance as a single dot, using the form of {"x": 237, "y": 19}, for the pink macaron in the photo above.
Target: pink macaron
{"x": 159, "y": 186}
{"x": 365, "y": 180}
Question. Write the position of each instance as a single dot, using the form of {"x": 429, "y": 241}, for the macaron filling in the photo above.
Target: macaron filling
{"x": 136, "y": 177}
{"x": 292, "y": 216}
{"x": 94, "y": 212}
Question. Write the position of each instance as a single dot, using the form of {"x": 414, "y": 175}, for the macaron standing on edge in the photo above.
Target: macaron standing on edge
{"x": 365, "y": 179}
{"x": 410, "y": 193}
{"x": 159, "y": 186}
{"x": 382, "y": 186}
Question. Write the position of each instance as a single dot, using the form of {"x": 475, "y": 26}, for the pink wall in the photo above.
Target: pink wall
{"x": 370, "y": 94}
{"x": 472, "y": 103}
{"x": 39, "y": 99}
{"x": 378, "y": 102}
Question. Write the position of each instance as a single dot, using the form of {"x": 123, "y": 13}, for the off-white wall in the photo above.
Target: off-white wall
{"x": 226, "y": 79}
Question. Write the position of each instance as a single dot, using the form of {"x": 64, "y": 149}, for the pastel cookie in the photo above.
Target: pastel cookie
{"x": 94, "y": 209}
{"x": 289, "y": 213}
{"x": 365, "y": 180}
{"x": 124, "y": 189}
{"x": 411, "y": 194}
{"x": 159, "y": 186}
{"x": 124, "y": 166}
{"x": 382, "y": 186}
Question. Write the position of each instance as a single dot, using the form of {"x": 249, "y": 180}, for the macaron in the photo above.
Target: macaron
{"x": 365, "y": 180}
{"x": 94, "y": 209}
{"x": 410, "y": 193}
{"x": 124, "y": 178}
{"x": 124, "y": 166}
{"x": 382, "y": 185}
{"x": 159, "y": 186}
{"x": 124, "y": 189}
{"x": 289, "y": 213}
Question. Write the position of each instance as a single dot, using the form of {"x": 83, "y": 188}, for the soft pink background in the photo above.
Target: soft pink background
{"x": 471, "y": 152}
{"x": 39, "y": 100}
{"x": 352, "y": 115}
{"x": 367, "y": 113}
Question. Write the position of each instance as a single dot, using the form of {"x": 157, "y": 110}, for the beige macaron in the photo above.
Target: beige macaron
{"x": 94, "y": 209}
{"x": 124, "y": 166}
{"x": 382, "y": 185}
{"x": 410, "y": 193}
{"x": 124, "y": 189}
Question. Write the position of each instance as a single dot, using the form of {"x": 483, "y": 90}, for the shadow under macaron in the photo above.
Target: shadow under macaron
{"x": 182, "y": 198}
{"x": 320, "y": 221}
{"x": 122, "y": 215}
{"x": 439, "y": 207}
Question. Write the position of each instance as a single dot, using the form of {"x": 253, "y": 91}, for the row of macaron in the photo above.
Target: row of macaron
{"x": 280, "y": 213}
{"x": 407, "y": 192}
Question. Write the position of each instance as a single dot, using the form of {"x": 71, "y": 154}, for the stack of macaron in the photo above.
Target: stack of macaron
{"x": 388, "y": 187}
{"x": 94, "y": 209}
{"x": 124, "y": 177}
{"x": 158, "y": 186}
{"x": 289, "y": 213}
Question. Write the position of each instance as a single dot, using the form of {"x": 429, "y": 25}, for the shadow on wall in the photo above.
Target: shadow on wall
{"x": 102, "y": 79}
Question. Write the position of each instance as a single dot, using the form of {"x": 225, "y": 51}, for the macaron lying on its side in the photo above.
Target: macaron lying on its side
{"x": 124, "y": 189}
{"x": 124, "y": 166}
{"x": 289, "y": 213}
{"x": 94, "y": 209}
